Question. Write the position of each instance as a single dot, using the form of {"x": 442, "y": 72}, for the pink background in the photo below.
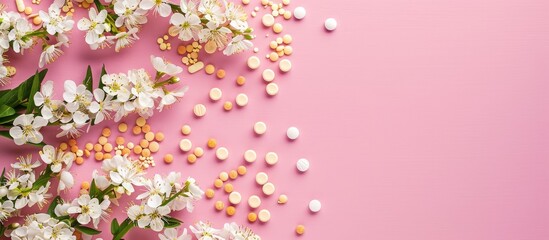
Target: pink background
{"x": 422, "y": 120}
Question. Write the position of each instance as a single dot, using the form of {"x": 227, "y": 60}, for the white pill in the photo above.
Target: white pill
{"x": 254, "y": 201}
{"x": 268, "y": 75}
{"x": 254, "y": 62}
{"x": 292, "y": 133}
{"x": 302, "y": 165}
{"x": 215, "y": 94}
{"x": 235, "y": 198}
{"x": 268, "y": 189}
{"x": 241, "y": 100}
{"x": 315, "y": 205}
{"x": 185, "y": 145}
{"x": 264, "y": 215}
{"x": 222, "y": 153}
{"x": 285, "y": 65}
{"x": 271, "y": 89}
{"x": 261, "y": 178}
{"x": 199, "y": 110}
{"x": 250, "y": 156}
{"x": 260, "y": 128}
{"x": 330, "y": 24}
{"x": 268, "y": 20}
{"x": 299, "y": 12}
{"x": 271, "y": 158}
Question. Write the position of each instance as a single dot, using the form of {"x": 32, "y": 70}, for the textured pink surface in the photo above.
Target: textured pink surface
{"x": 422, "y": 120}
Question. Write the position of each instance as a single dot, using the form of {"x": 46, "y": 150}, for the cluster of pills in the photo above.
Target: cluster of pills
{"x": 280, "y": 47}
{"x": 277, "y": 9}
{"x": 190, "y": 56}
{"x": 84, "y": 3}
{"x": 162, "y": 44}
{"x": 20, "y": 5}
{"x": 186, "y": 145}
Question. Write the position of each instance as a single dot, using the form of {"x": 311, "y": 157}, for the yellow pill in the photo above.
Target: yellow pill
{"x": 28, "y": 10}
{"x": 210, "y": 69}
{"x": 252, "y": 217}
{"x": 144, "y": 143}
{"x": 85, "y": 185}
{"x": 105, "y": 132}
{"x": 273, "y": 56}
{"x": 228, "y": 188}
{"x": 146, "y": 128}
{"x": 277, "y": 28}
{"x": 300, "y": 229}
{"x": 98, "y": 156}
{"x": 219, "y": 205}
{"x": 87, "y": 152}
{"x": 220, "y": 73}
{"x": 89, "y": 146}
{"x": 245, "y": 2}
{"x": 79, "y": 160}
{"x": 181, "y": 49}
{"x": 159, "y": 136}
{"x": 122, "y": 127}
{"x": 198, "y": 151}
{"x": 282, "y": 199}
{"x": 241, "y": 170}
{"x": 273, "y": 45}
{"x": 228, "y": 106}
{"x": 233, "y": 174}
{"x": 191, "y": 158}
{"x": 137, "y": 149}
{"x": 63, "y": 146}
{"x": 212, "y": 143}
{"x": 159, "y": 40}
{"x": 287, "y": 39}
{"x": 97, "y": 147}
{"x": 107, "y": 147}
{"x": 120, "y": 140}
{"x": 224, "y": 176}
{"x": 288, "y": 50}
{"x": 146, "y": 152}
{"x": 240, "y": 80}
{"x": 209, "y": 193}
{"x": 136, "y": 130}
{"x": 140, "y": 121}
{"x": 199, "y": 110}
{"x": 102, "y": 140}
{"x": 125, "y": 151}
{"x": 186, "y": 129}
{"x": 154, "y": 146}
{"x": 287, "y": 15}
{"x": 218, "y": 183}
{"x": 231, "y": 210}
{"x": 149, "y": 136}
{"x": 37, "y": 20}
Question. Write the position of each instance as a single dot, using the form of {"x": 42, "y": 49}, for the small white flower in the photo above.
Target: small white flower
{"x": 62, "y": 209}
{"x": 188, "y": 6}
{"x": 237, "y": 44}
{"x": 137, "y": 213}
{"x": 156, "y": 223}
{"x": 54, "y": 21}
{"x": 235, "y": 13}
{"x": 50, "y": 54}
{"x": 216, "y": 34}
{"x": 186, "y": 26}
{"x": 129, "y": 13}
{"x": 25, "y": 164}
{"x": 66, "y": 181}
{"x": 126, "y": 176}
{"x": 157, "y": 189}
{"x": 77, "y": 97}
{"x": 6, "y": 208}
{"x": 125, "y": 39}
{"x": 44, "y": 96}
{"x": 116, "y": 85}
{"x": 101, "y": 106}
{"x": 212, "y": 11}
{"x": 171, "y": 234}
{"x": 203, "y": 230}
{"x": 55, "y": 158}
{"x": 86, "y": 208}
{"x": 94, "y": 26}
{"x": 160, "y": 6}
{"x": 26, "y": 128}
{"x": 19, "y": 35}
{"x": 163, "y": 66}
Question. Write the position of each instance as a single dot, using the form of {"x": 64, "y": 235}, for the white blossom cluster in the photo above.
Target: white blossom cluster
{"x": 203, "y": 230}
{"x": 217, "y": 22}
{"x": 21, "y": 187}
{"x": 18, "y": 34}
{"x": 43, "y": 226}
{"x": 120, "y": 95}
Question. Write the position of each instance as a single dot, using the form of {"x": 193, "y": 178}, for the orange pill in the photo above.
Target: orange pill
{"x": 102, "y": 140}
{"x": 144, "y": 143}
{"x": 136, "y": 130}
{"x": 98, "y": 156}
{"x": 79, "y": 160}
{"x": 106, "y": 132}
{"x": 252, "y": 217}
{"x": 241, "y": 170}
{"x": 209, "y": 193}
{"x": 149, "y": 136}
{"x": 97, "y": 147}
{"x": 224, "y": 176}
{"x": 233, "y": 174}
{"x": 220, "y": 73}
{"x": 125, "y": 151}
{"x": 107, "y": 147}
{"x": 85, "y": 185}
{"x": 87, "y": 152}
{"x": 137, "y": 149}
{"x": 191, "y": 158}
{"x": 122, "y": 127}
{"x": 228, "y": 106}
{"x": 231, "y": 210}
{"x": 218, "y": 183}
{"x": 240, "y": 80}
{"x": 154, "y": 146}
{"x": 198, "y": 151}
{"x": 63, "y": 146}
{"x": 107, "y": 156}
{"x": 212, "y": 143}
{"x": 168, "y": 158}
{"x": 72, "y": 142}
{"x": 228, "y": 188}
{"x": 89, "y": 146}
{"x": 159, "y": 136}
{"x": 146, "y": 128}
{"x": 120, "y": 140}
{"x": 146, "y": 152}
{"x": 74, "y": 148}
{"x": 140, "y": 121}
{"x": 219, "y": 205}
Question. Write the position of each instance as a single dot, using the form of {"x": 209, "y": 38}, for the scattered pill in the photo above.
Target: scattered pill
{"x": 273, "y": 56}
{"x": 28, "y": 10}
{"x": 261, "y": 178}
{"x": 195, "y": 67}
{"x": 140, "y": 121}
{"x": 245, "y": 2}
{"x": 271, "y": 158}
{"x": 252, "y": 217}
{"x": 215, "y": 94}
{"x": 287, "y": 39}
{"x": 264, "y": 215}
{"x": 231, "y": 210}
{"x": 144, "y": 143}
{"x": 159, "y": 136}
{"x": 154, "y": 146}
{"x": 137, "y": 149}
{"x": 302, "y": 165}
{"x": 253, "y": 62}
{"x": 219, "y": 205}
{"x": 250, "y": 156}
{"x": 272, "y": 89}
{"x": 191, "y": 158}
{"x": 212, "y": 143}
{"x": 220, "y": 73}
{"x": 268, "y": 189}
{"x": 98, "y": 156}
{"x": 222, "y": 153}
{"x": 198, "y": 151}
{"x": 330, "y": 24}
{"x": 315, "y": 205}
{"x": 254, "y": 201}
{"x": 168, "y": 158}
{"x": 300, "y": 12}
{"x": 285, "y": 65}
{"x": 185, "y": 145}
{"x": 277, "y": 28}
{"x": 268, "y": 20}
{"x": 218, "y": 183}
{"x": 136, "y": 130}
{"x": 146, "y": 152}
{"x": 292, "y": 133}
{"x": 146, "y": 128}
{"x": 233, "y": 174}
{"x": 282, "y": 199}
{"x": 224, "y": 176}
{"x": 228, "y": 188}
{"x": 240, "y": 80}
{"x": 241, "y": 100}
{"x": 260, "y": 128}
{"x": 268, "y": 75}
{"x": 210, "y": 69}
{"x": 106, "y": 132}
{"x": 149, "y": 136}
{"x": 85, "y": 185}
{"x": 235, "y": 198}
{"x": 241, "y": 170}
{"x": 186, "y": 129}
{"x": 300, "y": 229}
{"x": 228, "y": 106}
{"x": 209, "y": 193}
{"x": 199, "y": 110}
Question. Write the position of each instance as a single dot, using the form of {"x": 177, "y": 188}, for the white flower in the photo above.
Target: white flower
{"x": 62, "y": 209}
{"x": 156, "y": 215}
{"x": 3, "y": 75}
{"x": 44, "y": 97}
{"x": 72, "y": 129}
{"x": 54, "y": 21}
{"x": 60, "y": 230}
{"x": 126, "y": 176}
{"x": 137, "y": 213}
{"x": 19, "y": 35}
{"x": 143, "y": 88}
{"x": 237, "y": 44}
{"x": 6, "y": 208}
{"x": 26, "y": 128}
{"x": 129, "y": 14}
{"x": 66, "y": 181}
{"x": 234, "y": 231}
{"x": 25, "y": 164}
{"x": 188, "y": 6}
{"x": 218, "y": 35}
{"x": 95, "y": 26}
{"x": 186, "y": 26}
{"x": 101, "y": 106}
{"x": 171, "y": 234}
{"x": 104, "y": 214}
{"x": 163, "y": 66}
{"x": 170, "y": 97}
{"x": 160, "y": 6}
{"x": 50, "y": 54}
{"x": 39, "y": 197}
{"x": 56, "y": 158}
{"x": 86, "y": 208}
{"x": 116, "y": 85}
{"x": 203, "y": 230}
{"x": 76, "y": 96}
{"x": 235, "y": 13}
{"x": 125, "y": 39}
{"x": 157, "y": 189}
{"x": 212, "y": 11}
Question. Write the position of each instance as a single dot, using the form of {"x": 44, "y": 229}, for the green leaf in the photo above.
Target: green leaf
{"x": 93, "y": 189}
{"x": 88, "y": 80}
{"x": 103, "y": 72}
{"x": 15, "y": 96}
{"x": 35, "y": 87}
{"x": 114, "y": 226}
{"x": 8, "y": 120}
{"x": 54, "y": 203}
{"x": 170, "y": 222}
{"x": 87, "y": 230}
{"x": 44, "y": 178}
{"x": 6, "y": 111}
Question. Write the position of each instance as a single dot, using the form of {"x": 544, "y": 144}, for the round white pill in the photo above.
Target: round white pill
{"x": 292, "y": 133}
{"x": 268, "y": 75}
{"x": 261, "y": 178}
{"x": 260, "y": 128}
{"x": 271, "y": 89}
{"x": 330, "y": 24}
{"x": 250, "y": 156}
{"x": 264, "y": 215}
{"x": 271, "y": 158}
{"x": 268, "y": 20}
{"x": 235, "y": 198}
{"x": 241, "y": 100}
{"x": 222, "y": 153}
{"x": 254, "y": 62}
{"x": 254, "y": 201}
{"x": 185, "y": 145}
{"x": 299, "y": 12}
{"x": 302, "y": 165}
{"x": 285, "y": 65}
{"x": 215, "y": 94}
{"x": 199, "y": 110}
{"x": 268, "y": 188}
{"x": 315, "y": 205}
